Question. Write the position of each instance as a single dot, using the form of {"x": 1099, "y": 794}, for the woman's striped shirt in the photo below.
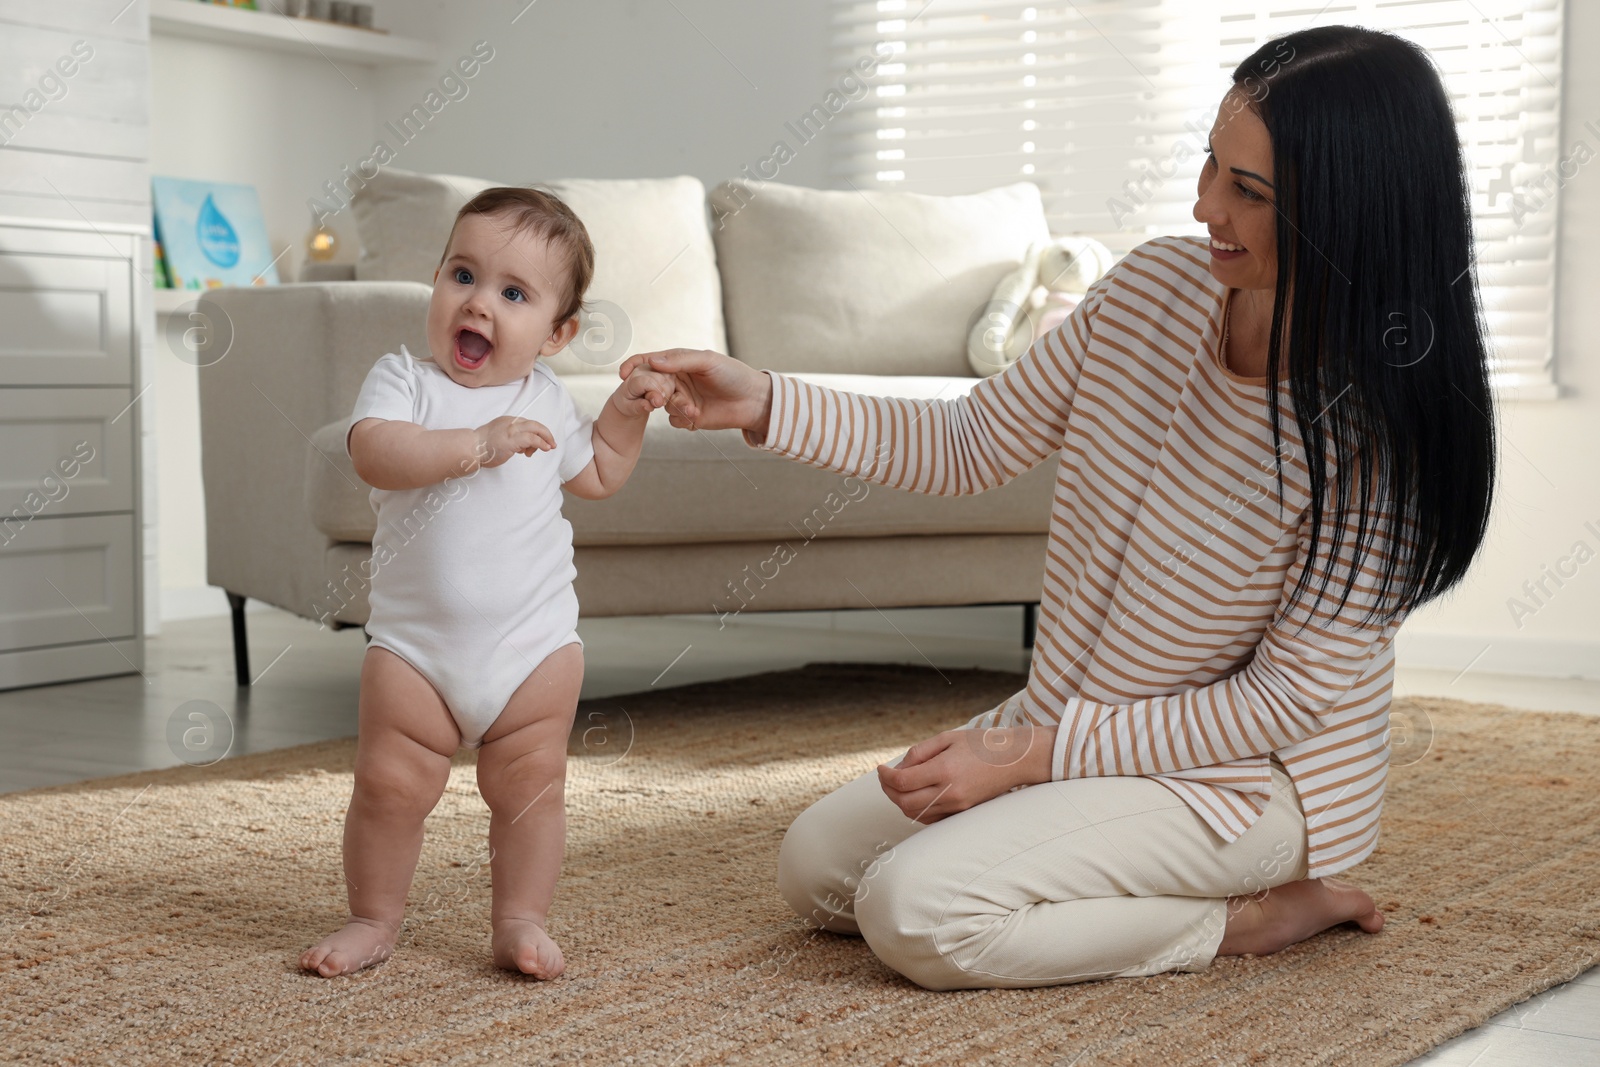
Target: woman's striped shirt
{"x": 1165, "y": 645}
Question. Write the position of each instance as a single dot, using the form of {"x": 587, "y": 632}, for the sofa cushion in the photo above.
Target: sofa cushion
{"x": 864, "y": 282}
{"x": 710, "y": 486}
{"x": 654, "y": 262}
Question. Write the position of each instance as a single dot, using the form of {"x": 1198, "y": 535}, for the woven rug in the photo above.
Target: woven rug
{"x": 155, "y": 918}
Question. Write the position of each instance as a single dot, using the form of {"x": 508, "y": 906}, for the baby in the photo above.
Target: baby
{"x": 473, "y": 612}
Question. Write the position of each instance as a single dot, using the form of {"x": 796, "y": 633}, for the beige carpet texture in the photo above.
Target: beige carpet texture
{"x": 155, "y": 918}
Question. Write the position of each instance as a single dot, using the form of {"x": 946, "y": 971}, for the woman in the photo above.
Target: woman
{"x": 1206, "y": 711}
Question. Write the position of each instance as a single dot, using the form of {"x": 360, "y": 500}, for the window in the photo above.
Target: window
{"x": 1105, "y": 105}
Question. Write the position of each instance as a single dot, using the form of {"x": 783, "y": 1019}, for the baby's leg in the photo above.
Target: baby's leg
{"x": 522, "y": 774}
{"x": 405, "y": 739}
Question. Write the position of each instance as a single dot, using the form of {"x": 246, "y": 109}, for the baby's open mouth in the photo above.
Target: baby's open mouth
{"x": 472, "y": 348}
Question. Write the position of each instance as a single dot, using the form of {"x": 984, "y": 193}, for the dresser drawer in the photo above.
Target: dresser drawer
{"x": 65, "y": 320}
{"x": 61, "y": 453}
{"x": 66, "y": 580}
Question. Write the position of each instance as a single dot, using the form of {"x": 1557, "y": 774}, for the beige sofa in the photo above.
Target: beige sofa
{"x": 873, "y": 292}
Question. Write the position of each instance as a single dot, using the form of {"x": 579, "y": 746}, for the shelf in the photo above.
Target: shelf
{"x": 265, "y": 29}
{"x": 169, "y": 300}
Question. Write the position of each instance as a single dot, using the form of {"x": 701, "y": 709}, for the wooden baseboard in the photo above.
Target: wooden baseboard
{"x": 1499, "y": 654}
{"x": 71, "y": 663}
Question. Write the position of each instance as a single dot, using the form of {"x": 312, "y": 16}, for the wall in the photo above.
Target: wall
{"x": 622, "y": 88}
{"x": 1550, "y": 488}
{"x": 73, "y": 147}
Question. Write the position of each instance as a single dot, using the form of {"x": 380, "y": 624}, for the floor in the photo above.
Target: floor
{"x": 185, "y": 707}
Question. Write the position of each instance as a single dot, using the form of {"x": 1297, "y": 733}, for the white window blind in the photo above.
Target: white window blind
{"x": 1106, "y": 104}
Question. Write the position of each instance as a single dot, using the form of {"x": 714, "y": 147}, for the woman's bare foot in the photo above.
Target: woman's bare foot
{"x": 1286, "y": 914}
{"x": 522, "y": 945}
{"x": 360, "y": 943}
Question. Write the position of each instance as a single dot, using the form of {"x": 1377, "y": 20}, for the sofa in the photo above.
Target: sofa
{"x": 871, "y": 291}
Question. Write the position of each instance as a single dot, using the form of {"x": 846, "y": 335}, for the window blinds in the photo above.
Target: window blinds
{"x": 1105, "y": 105}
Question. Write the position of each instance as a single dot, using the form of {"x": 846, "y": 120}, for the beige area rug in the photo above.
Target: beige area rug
{"x": 155, "y": 918}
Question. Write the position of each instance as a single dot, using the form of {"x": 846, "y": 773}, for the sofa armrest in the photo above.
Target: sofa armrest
{"x": 296, "y": 360}
{"x": 336, "y": 500}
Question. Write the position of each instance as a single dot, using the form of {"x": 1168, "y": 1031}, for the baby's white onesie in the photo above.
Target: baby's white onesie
{"x": 473, "y": 575}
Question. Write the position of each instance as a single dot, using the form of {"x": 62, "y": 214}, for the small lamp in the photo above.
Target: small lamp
{"x": 322, "y": 245}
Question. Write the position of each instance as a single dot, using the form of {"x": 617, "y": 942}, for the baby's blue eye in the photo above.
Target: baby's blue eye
{"x": 463, "y": 276}
{"x": 513, "y": 294}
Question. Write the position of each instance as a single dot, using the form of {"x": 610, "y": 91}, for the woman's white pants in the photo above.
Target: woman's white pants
{"x": 1058, "y": 882}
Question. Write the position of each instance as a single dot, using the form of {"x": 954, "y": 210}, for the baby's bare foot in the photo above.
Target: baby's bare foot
{"x": 1291, "y": 913}
{"x": 522, "y": 945}
{"x": 360, "y": 943}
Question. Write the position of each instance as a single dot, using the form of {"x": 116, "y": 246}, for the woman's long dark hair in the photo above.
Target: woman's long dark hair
{"x": 1387, "y": 352}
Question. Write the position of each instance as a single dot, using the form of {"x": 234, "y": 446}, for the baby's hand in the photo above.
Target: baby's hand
{"x": 504, "y": 437}
{"x": 643, "y": 391}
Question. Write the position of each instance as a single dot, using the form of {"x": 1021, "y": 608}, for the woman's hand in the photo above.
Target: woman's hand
{"x": 959, "y": 769}
{"x": 714, "y": 392}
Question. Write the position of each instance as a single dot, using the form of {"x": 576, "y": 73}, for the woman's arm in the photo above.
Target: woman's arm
{"x": 1004, "y": 426}
{"x": 1288, "y": 692}
{"x": 1306, "y": 663}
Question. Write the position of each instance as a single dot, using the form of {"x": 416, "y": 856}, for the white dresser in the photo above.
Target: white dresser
{"x": 71, "y": 542}
{"x": 75, "y": 326}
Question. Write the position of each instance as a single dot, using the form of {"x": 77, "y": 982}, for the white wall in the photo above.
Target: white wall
{"x": 1550, "y": 483}
{"x": 621, "y": 88}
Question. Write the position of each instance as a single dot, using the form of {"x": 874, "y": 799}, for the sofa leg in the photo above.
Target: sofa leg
{"x": 1030, "y": 621}
{"x": 241, "y": 650}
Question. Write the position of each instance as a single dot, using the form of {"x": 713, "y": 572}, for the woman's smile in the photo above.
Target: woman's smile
{"x": 1221, "y": 249}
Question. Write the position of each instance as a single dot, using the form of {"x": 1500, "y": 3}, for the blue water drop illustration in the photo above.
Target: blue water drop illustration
{"x": 216, "y": 236}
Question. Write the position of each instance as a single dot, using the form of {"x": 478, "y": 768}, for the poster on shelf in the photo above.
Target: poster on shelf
{"x": 212, "y": 233}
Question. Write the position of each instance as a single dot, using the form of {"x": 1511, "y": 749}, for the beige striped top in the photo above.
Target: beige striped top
{"x": 1164, "y": 647}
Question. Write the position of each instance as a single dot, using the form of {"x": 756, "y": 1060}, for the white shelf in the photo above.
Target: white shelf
{"x": 267, "y": 29}
{"x": 169, "y": 300}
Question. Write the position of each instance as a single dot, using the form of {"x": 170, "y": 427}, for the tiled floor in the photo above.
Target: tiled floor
{"x": 305, "y": 690}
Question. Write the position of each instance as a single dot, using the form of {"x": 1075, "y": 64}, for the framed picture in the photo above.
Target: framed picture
{"x": 211, "y": 234}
